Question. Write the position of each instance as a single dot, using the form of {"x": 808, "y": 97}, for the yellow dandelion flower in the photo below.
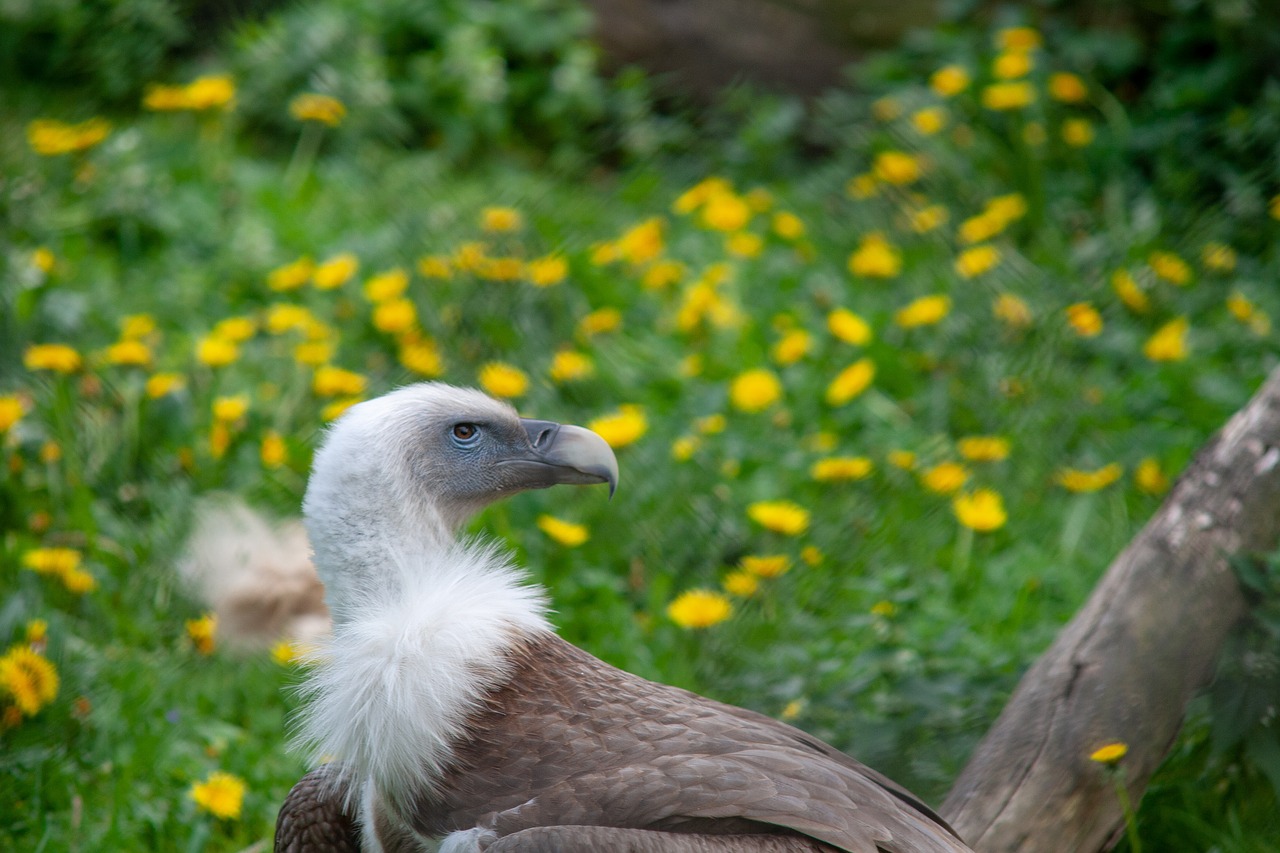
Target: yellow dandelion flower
{"x": 744, "y": 245}
{"x": 203, "y": 632}
{"x": 683, "y": 448}
{"x": 213, "y": 351}
{"x": 1077, "y": 132}
{"x": 435, "y": 266}
{"x": 897, "y": 167}
{"x": 642, "y": 243}
{"x": 221, "y": 795}
{"x": 50, "y": 138}
{"x": 58, "y": 358}
{"x": 331, "y": 381}
{"x": 792, "y": 347}
{"x": 621, "y": 428}
{"x": 976, "y": 260}
{"x": 334, "y": 410}
{"x": 1150, "y": 477}
{"x": 600, "y": 321}
{"x": 134, "y": 327}
{"x": 697, "y": 195}
{"x": 547, "y": 270}
{"x": 395, "y": 316}
{"x": 204, "y": 93}
{"x": 503, "y": 380}
{"x": 51, "y": 561}
{"x": 1008, "y": 96}
{"x": 1169, "y": 342}
{"x": 283, "y": 318}
{"x": 983, "y": 448}
{"x": 875, "y": 257}
{"x": 903, "y": 459}
{"x": 711, "y": 424}
{"x": 662, "y": 275}
{"x": 699, "y": 608}
{"x": 929, "y": 121}
{"x": 422, "y": 356}
{"x": 1170, "y": 267}
{"x": 884, "y": 609}
{"x": 1110, "y": 753}
{"x": 928, "y": 218}
{"x": 981, "y": 510}
{"x": 755, "y": 390}
{"x": 273, "y": 451}
{"x": 862, "y": 186}
{"x": 386, "y": 286}
{"x": 1077, "y": 480}
{"x": 949, "y": 80}
{"x": 128, "y": 353}
{"x": 11, "y": 411}
{"x": 945, "y": 477}
{"x": 43, "y": 259}
{"x": 230, "y": 409}
{"x": 50, "y": 452}
{"x": 335, "y": 271}
{"x": 163, "y": 384}
{"x": 37, "y": 632}
{"x": 849, "y": 327}
{"x": 79, "y": 582}
{"x": 569, "y": 366}
{"x": 285, "y": 653}
{"x": 1012, "y": 310}
{"x": 499, "y": 220}
{"x": 565, "y": 532}
{"x": 313, "y": 353}
{"x": 1012, "y": 65}
{"x": 924, "y": 311}
{"x": 1129, "y": 292}
{"x": 323, "y": 109}
{"x": 851, "y": 382}
{"x": 787, "y": 225}
{"x": 29, "y": 678}
{"x": 841, "y": 468}
{"x": 766, "y": 565}
{"x": 1018, "y": 39}
{"x": 1084, "y": 320}
{"x": 741, "y": 583}
{"x": 235, "y": 329}
{"x": 783, "y": 517}
{"x": 725, "y": 211}
{"x": 292, "y": 275}
{"x": 1218, "y": 257}
{"x": 1067, "y": 88}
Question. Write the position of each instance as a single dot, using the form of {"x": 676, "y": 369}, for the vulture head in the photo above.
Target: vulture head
{"x": 405, "y": 471}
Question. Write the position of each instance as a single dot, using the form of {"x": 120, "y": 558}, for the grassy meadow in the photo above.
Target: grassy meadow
{"x": 883, "y": 415}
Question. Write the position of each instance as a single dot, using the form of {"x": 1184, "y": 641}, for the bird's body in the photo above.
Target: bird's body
{"x": 454, "y": 711}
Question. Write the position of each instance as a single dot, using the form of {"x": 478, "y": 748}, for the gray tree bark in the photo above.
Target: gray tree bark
{"x": 1126, "y": 665}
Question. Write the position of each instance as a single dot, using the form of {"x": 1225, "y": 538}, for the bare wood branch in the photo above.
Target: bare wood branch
{"x": 1126, "y": 665}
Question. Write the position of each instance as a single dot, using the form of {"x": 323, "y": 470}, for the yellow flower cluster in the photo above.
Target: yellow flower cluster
{"x": 65, "y": 564}
{"x": 28, "y": 680}
{"x": 315, "y": 107}
{"x": 203, "y": 93}
{"x": 221, "y": 795}
{"x": 49, "y": 137}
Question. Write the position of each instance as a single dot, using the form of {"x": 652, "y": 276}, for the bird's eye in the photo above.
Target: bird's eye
{"x": 465, "y": 433}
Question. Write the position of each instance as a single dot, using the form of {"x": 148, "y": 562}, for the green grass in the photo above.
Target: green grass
{"x": 182, "y": 218}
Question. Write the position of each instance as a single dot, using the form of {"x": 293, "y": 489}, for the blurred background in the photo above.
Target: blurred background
{"x": 902, "y": 318}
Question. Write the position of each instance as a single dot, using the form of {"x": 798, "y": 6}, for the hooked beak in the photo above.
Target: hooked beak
{"x": 563, "y": 454}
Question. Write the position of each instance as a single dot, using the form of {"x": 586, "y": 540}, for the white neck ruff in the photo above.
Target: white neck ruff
{"x": 422, "y": 639}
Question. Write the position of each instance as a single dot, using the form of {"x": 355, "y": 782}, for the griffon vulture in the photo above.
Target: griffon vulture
{"x": 451, "y": 710}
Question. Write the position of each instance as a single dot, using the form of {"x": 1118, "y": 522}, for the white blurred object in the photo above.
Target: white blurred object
{"x": 255, "y": 575}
